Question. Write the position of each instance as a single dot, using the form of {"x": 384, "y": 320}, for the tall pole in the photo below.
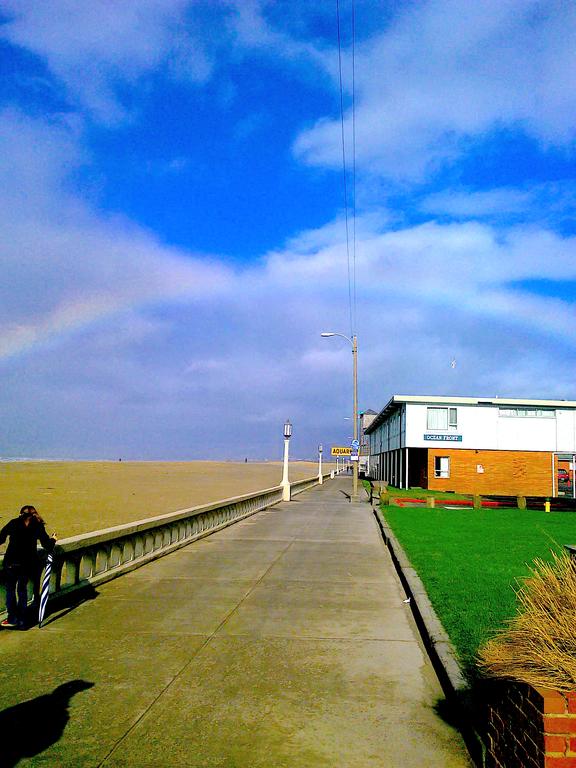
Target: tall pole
{"x": 355, "y": 416}
{"x": 354, "y": 343}
{"x": 285, "y": 481}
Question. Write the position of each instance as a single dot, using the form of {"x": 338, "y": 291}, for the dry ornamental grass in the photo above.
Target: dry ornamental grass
{"x": 539, "y": 645}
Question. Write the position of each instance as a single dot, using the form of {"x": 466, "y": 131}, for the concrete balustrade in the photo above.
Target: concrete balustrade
{"x": 96, "y": 557}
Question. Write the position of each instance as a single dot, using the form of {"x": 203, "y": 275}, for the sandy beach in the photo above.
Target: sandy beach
{"x": 80, "y": 496}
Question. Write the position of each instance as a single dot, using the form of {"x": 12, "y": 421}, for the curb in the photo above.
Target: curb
{"x": 433, "y": 633}
{"x": 436, "y": 641}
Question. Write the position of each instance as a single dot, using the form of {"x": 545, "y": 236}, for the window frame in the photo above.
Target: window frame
{"x": 451, "y": 418}
{"x": 517, "y": 412}
{"x": 439, "y": 472}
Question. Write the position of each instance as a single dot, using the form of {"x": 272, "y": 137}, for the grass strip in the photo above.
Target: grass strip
{"x": 470, "y": 561}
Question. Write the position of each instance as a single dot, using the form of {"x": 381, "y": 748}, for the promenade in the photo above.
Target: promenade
{"x": 281, "y": 641}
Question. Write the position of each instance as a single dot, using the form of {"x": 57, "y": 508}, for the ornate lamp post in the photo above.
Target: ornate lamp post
{"x": 285, "y": 481}
{"x": 320, "y": 478}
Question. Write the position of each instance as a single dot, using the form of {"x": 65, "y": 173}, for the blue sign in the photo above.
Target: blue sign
{"x": 445, "y": 438}
{"x": 355, "y": 444}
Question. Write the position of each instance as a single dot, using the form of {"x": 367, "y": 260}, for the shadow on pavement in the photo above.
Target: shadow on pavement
{"x": 450, "y": 712}
{"x": 60, "y": 605}
{"x": 467, "y": 711}
{"x": 31, "y": 727}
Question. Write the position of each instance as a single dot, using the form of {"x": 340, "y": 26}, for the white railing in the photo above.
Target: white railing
{"x": 93, "y": 558}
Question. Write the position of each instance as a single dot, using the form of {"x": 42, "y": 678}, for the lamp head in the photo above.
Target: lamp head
{"x": 327, "y": 333}
{"x": 287, "y": 429}
{"x": 320, "y": 448}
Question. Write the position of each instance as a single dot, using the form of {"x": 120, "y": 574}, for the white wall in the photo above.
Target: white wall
{"x": 566, "y": 431}
{"x": 476, "y": 426}
{"x": 527, "y": 434}
{"x": 483, "y": 427}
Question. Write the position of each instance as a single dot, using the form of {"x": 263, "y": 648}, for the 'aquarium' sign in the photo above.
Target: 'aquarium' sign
{"x": 341, "y": 450}
{"x": 445, "y": 438}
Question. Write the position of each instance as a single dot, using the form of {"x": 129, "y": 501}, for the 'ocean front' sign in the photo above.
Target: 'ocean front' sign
{"x": 445, "y": 438}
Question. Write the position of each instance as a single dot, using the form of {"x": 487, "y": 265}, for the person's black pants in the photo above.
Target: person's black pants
{"x": 17, "y": 578}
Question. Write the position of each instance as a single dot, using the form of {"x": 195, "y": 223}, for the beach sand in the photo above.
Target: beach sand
{"x": 81, "y": 496}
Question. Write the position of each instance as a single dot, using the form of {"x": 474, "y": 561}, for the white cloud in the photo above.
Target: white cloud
{"x": 97, "y": 48}
{"x": 174, "y": 354}
{"x": 101, "y": 52}
{"x": 111, "y": 338}
{"x": 462, "y": 203}
{"x": 441, "y": 73}
{"x": 553, "y": 202}
{"x": 253, "y": 31}
{"x": 167, "y": 373}
{"x": 446, "y": 71}
{"x": 66, "y": 267}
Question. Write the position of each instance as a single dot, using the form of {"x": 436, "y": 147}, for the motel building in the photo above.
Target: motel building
{"x": 472, "y": 445}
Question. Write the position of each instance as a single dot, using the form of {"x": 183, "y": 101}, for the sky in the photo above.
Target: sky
{"x": 173, "y": 229}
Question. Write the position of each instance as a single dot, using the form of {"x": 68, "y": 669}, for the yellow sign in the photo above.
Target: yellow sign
{"x": 341, "y": 450}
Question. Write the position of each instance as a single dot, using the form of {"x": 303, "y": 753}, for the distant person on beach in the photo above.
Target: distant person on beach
{"x": 21, "y": 562}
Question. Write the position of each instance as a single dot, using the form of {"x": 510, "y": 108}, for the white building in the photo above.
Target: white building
{"x": 474, "y": 445}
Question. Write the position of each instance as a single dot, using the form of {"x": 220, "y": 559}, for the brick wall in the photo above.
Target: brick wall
{"x": 531, "y": 728}
{"x": 508, "y": 473}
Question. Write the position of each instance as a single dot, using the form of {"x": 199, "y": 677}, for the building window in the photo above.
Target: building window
{"x": 442, "y": 418}
{"x": 524, "y": 413}
{"x": 441, "y": 466}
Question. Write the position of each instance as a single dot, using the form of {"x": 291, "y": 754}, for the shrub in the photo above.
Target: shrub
{"x": 539, "y": 644}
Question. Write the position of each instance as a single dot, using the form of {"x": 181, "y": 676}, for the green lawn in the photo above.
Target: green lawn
{"x": 469, "y": 561}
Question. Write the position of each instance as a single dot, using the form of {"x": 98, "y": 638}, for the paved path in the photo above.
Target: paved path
{"x": 281, "y": 641}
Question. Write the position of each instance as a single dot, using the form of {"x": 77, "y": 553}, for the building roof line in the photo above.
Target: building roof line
{"x": 397, "y": 400}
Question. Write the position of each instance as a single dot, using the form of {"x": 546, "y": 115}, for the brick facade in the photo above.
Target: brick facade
{"x": 531, "y": 728}
{"x": 507, "y": 473}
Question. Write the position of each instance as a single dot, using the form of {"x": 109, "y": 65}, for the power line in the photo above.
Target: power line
{"x": 351, "y": 270}
{"x": 354, "y": 157}
{"x": 344, "y": 174}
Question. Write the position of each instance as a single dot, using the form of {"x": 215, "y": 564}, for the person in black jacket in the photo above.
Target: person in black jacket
{"x": 21, "y": 561}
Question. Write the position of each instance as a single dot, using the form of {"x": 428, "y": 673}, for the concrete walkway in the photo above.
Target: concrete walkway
{"x": 280, "y": 641}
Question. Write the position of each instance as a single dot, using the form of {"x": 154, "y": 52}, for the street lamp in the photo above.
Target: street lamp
{"x": 320, "y": 478}
{"x": 354, "y": 343}
{"x": 285, "y": 481}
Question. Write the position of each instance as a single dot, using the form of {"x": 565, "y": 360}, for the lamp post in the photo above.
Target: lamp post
{"x": 285, "y": 481}
{"x": 354, "y": 343}
{"x": 320, "y": 478}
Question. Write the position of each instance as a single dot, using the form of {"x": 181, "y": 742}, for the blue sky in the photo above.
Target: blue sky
{"x": 173, "y": 234}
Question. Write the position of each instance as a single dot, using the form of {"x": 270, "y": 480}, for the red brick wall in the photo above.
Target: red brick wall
{"x": 531, "y": 728}
{"x": 507, "y": 473}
